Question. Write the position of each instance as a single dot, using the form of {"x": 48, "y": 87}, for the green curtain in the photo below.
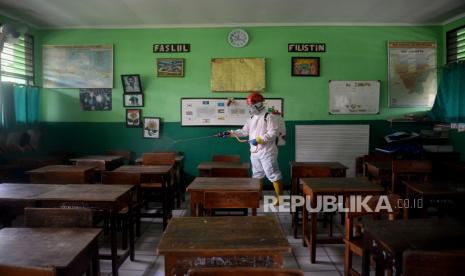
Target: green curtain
{"x": 449, "y": 106}
{"x": 26, "y": 104}
{"x": 7, "y": 107}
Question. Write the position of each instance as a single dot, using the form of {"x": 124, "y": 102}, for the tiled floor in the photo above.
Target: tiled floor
{"x": 330, "y": 258}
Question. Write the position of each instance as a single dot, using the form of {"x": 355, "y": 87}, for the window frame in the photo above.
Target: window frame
{"x": 28, "y": 62}
{"x": 452, "y": 48}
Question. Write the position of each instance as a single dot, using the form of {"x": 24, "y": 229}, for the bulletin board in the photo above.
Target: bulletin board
{"x": 354, "y": 97}
{"x": 237, "y": 74}
{"x": 221, "y": 111}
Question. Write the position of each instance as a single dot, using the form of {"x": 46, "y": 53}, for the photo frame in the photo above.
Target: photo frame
{"x": 131, "y": 83}
{"x": 170, "y": 67}
{"x": 152, "y": 127}
{"x": 133, "y": 99}
{"x": 133, "y": 118}
{"x": 305, "y": 66}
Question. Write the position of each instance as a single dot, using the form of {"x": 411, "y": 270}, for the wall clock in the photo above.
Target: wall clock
{"x": 238, "y": 38}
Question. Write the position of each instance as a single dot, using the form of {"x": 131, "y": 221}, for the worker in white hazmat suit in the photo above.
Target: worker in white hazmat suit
{"x": 262, "y": 129}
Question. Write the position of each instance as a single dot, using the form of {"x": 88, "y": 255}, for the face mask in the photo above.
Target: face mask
{"x": 255, "y": 109}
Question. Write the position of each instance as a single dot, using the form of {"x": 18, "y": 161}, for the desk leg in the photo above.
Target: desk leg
{"x": 254, "y": 212}
{"x": 366, "y": 262}
{"x": 113, "y": 244}
{"x": 131, "y": 229}
{"x": 313, "y": 217}
{"x": 95, "y": 261}
{"x": 304, "y": 224}
{"x": 193, "y": 206}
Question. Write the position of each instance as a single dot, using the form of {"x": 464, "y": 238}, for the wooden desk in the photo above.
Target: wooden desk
{"x": 313, "y": 187}
{"x": 101, "y": 162}
{"x": 205, "y": 168}
{"x": 108, "y": 199}
{"x": 380, "y": 171}
{"x": 71, "y": 251}
{"x": 159, "y": 173}
{"x": 83, "y": 174}
{"x": 250, "y": 188}
{"x": 385, "y": 241}
{"x": 434, "y": 190}
{"x": 190, "y": 242}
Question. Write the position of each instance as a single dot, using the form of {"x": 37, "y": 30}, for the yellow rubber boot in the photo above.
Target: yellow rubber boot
{"x": 278, "y": 189}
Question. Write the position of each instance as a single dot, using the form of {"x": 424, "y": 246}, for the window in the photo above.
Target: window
{"x": 455, "y": 41}
{"x": 17, "y": 61}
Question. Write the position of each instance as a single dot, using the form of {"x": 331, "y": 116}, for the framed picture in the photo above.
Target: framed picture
{"x": 133, "y": 118}
{"x": 305, "y": 66}
{"x": 95, "y": 99}
{"x": 170, "y": 67}
{"x": 133, "y": 99}
{"x": 131, "y": 83}
{"x": 151, "y": 127}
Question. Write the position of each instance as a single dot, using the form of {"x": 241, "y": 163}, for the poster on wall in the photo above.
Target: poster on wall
{"x": 77, "y": 66}
{"x": 412, "y": 74}
{"x": 95, "y": 99}
{"x": 221, "y": 111}
{"x": 237, "y": 74}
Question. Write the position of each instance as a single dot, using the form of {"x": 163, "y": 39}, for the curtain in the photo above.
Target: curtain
{"x": 7, "y": 107}
{"x": 26, "y": 104}
{"x": 449, "y": 106}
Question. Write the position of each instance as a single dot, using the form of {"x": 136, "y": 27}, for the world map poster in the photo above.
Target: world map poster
{"x": 412, "y": 80}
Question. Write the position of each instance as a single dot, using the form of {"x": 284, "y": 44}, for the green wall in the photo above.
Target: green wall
{"x": 352, "y": 53}
{"x": 457, "y": 139}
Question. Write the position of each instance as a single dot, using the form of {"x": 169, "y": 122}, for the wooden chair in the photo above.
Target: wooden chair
{"x": 243, "y": 271}
{"x": 432, "y": 263}
{"x": 6, "y": 270}
{"x": 124, "y": 178}
{"x": 227, "y": 158}
{"x": 229, "y": 172}
{"x": 306, "y": 172}
{"x": 58, "y": 217}
{"x": 127, "y": 154}
{"x": 354, "y": 239}
{"x": 230, "y": 200}
{"x": 409, "y": 170}
{"x": 153, "y": 189}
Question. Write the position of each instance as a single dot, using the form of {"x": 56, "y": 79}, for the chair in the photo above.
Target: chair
{"x": 429, "y": 263}
{"x": 374, "y": 158}
{"x": 150, "y": 187}
{"x": 7, "y": 270}
{"x": 409, "y": 170}
{"x": 124, "y": 178}
{"x": 227, "y": 158}
{"x": 353, "y": 239}
{"x": 243, "y": 271}
{"x": 229, "y": 172}
{"x": 128, "y": 156}
{"x": 58, "y": 217}
{"x": 305, "y": 172}
{"x": 230, "y": 200}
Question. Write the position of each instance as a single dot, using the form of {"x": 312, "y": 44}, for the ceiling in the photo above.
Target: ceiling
{"x": 213, "y": 13}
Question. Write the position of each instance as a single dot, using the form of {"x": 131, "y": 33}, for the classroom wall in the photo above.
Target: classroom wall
{"x": 352, "y": 53}
{"x": 457, "y": 138}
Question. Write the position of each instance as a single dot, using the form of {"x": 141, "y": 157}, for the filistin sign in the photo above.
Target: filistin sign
{"x": 306, "y": 47}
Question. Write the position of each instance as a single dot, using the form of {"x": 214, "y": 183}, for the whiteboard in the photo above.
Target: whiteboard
{"x": 332, "y": 143}
{"x": 354, "y": 97}
{"x": 217, "y": 112}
